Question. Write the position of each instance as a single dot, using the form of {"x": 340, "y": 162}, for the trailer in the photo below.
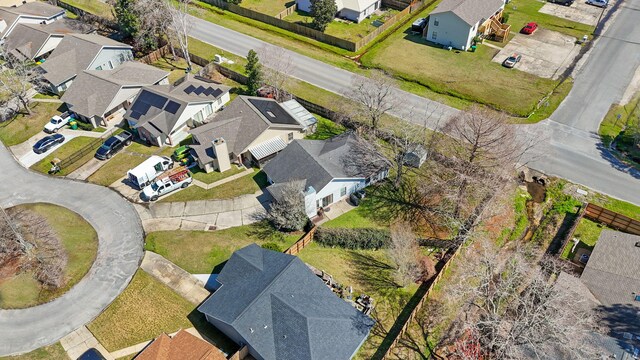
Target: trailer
{"x": 147, "y": 172}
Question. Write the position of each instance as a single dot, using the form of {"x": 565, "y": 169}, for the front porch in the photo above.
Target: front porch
{"x": 333, "y": 211}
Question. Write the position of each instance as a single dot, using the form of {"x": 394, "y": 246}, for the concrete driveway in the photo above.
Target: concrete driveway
{"x": 119, "y": 253}
{"x": 29, "y": 158}
{"x": 545, "y": 53}
{"x": 579, "y": 11}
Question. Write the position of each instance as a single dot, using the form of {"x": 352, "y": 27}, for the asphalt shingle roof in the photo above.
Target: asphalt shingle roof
{"x": 74, "y": 54}
{"x": 470, "y": 11}
{"x": 182, "y": 345}
{"x": 26, "y": 39}
{"x": 92, "y": 91}
{"x": 282, "y": 310}
{"x": 33, "y": 9}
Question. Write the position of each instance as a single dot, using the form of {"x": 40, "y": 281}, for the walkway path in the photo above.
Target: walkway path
{"x": 81, "y": 340}
{"x": 174, "y": 277}
{"x": 119, "y": 253}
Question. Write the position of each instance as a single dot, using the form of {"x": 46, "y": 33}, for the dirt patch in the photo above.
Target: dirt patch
{"x": 537, "y": 191}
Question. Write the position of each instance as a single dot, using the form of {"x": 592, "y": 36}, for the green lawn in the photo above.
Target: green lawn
{"x": 588, "y": 233}
{"x": 67, "y": 150}
{"x": 245, "y": 185}
{"x": 95, "y": 7}
{"x": 214, "y": 176}
{"x": 522, "y": 12}
{"x": 50, "y": 352}
{"x": 345, "y": 29}
{"x": 268, "y": 7}
{"x": 176, "y": 68}
{"x": 200, "y": 252}
{"x": 80, "y": 242}
{"x": 208, "y": 51}
{"x": 619, "y": 206}
{"x": 46, "y": 96}
{"x": 613, "y": 127}
{"x": 142, "y": 312}
{"x": 354, "y": 219}
{"x": 22, "y": 127}
{"x": 143, "y": 149}
{"x": 115, "y": 168}
{"x": 326, "y": 129}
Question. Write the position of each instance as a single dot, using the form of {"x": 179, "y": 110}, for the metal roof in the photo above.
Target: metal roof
{"x": 267, "y": 148}
{"x": 304, "y": 117}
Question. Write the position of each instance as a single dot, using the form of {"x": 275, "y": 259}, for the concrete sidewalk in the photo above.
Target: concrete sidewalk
{"x": 81, "y": 340}
{"x": 174, "y": 277}
{"x": 86, "y": 170}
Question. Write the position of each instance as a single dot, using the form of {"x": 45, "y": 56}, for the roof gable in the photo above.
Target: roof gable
{"x": 469, "y": 11}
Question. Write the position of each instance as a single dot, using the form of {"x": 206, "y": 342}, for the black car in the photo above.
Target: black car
{"x": 91, "y": 354}
{"x": 47, "y": 142}
{"x": 562, "y": 2}
{"x": 357, "y": 197}
{"x": 113, "y": 145}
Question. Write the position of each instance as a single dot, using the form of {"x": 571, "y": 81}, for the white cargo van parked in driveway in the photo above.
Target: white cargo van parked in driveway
{"x": 147, "y": 172}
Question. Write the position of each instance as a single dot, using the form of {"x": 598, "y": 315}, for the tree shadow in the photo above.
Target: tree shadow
{"x": 211, "y": 334}
{"x": 370, "y": 272}
{"x": 607, "y": 154}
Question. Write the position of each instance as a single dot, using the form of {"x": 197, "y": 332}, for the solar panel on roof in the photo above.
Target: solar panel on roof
{"x": 152, "y": 99}
{"x": 199, "y": 90}
{"x": 189, "y": 89}
{"x": 172, "y": 107}
{"x": 140, "y": 107}
{"x": 135, "y": 115}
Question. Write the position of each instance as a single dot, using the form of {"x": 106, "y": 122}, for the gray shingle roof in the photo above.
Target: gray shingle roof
{"x": 613, "y": 270}
{"x": 282, "y": 310}
{"x": 74, "y": 54}
{"x": 470, "y": 11}
{"x": 92, "y": 91}
{"x": 318, "y": 161}
{"x": 159, "y": 107}
{"x": 240, "y": 123}
{"x": 34, "y": 8}
{"x": 26, "y": 39}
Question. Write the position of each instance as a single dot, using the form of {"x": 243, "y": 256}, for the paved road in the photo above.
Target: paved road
{"x": 572, "y": 150}
{"x": 119, "y": 254}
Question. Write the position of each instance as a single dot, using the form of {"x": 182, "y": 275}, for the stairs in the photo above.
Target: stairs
{"x": 499, "y": 30}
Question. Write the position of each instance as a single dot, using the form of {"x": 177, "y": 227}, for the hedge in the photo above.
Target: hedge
{"x": 353, "y": 239}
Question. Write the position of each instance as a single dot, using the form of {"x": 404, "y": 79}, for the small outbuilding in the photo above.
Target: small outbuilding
{"x": 416, "y": 156}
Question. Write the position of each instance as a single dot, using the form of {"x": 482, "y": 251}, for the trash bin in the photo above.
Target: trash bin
{"x": 473, "y": 48}
{"x": 73, "y": 124}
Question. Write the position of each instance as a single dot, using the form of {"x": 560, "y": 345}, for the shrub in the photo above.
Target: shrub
{"x": 353, "y": 239}
{"x": 272, "y": 246}
{"x": 505, "y": 17}
{"x": 84, "y": 126}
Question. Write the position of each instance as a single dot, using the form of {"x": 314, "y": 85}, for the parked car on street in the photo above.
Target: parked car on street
{"x": 512, "y": 60}
{"x": 47, "y": 143}
{"x": 598, "y": 3}
{"x": 174, "y": 180}
{"x": 529, "y": 29}
{"x": 57, "y": 122}
{"x": 91, "y": 354}
{"x": 113, "y": 145}
{"x": 562, "y": 2}
{"x": 147, "y": 172}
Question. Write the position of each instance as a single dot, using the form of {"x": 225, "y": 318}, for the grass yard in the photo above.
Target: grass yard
{"x": 95, "y": 7}
{"x": 208, "y": 51}
{"x": 176, "y": 68}
{"x": 611, "y": 126}
{"x": 201, "y": 252}
{"x": 469, "y": 76}
{"x": 137, "y": 147}
{"x": 326, "y": 129}
{"x": 22, "y": 127}
{"x": 142, "y": 312}
{"x": 619, "y": 206}
{"x": 268, "y": 7}
{"x": 54, "y": 351}
{"x": 345, "y": 29}
{"x": 354, "y": 219}
{"x": 80, "y": 242}
{"x": 522, "y": 12}
{"x": 115, "y": 168}
{"x": 588, "y": 233}
{"x": 74, "y": 145}
{"x": 245, "y": 185}
{"x": 214, "y": 176}
{"x": 46, "y": 96}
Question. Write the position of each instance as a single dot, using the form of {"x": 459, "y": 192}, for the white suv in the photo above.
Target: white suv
{"x": 598, "y": 3}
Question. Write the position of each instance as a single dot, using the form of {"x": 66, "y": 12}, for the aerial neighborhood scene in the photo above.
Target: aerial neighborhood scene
{"x": 319, "y": 179}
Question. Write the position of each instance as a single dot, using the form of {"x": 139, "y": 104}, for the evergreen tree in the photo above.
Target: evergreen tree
{"x": 127, "y": 19}
{"x": 254, "y": 73}
{"x": 323, "y": 12}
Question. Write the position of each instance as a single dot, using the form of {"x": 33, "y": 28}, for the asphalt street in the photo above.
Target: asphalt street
{"x": 119, "y": 254}
{"x": 571, "y": 150}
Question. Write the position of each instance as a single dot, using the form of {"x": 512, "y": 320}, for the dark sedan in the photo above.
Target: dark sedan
{"x": 47, "y": 143}
{"x": 113, "y": 145}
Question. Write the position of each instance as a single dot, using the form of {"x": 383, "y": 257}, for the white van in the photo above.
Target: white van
{"x": 145, "y": 173}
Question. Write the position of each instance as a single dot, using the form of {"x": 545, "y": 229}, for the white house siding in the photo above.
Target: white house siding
{"x": 110, "y": 58}
{"x": 450, "y": 31}
{"x": 335, "y": 188}
{"x": 49, "y": 45}
{"x": 23, "y": 19}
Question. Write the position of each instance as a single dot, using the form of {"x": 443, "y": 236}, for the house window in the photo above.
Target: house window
{"x": 198, "y": 117}
{"x": 343, "y": 191}
{"x": 110, "y": 64}
{"x": 436, "y": 22}
{"x": 290, "y": 136}
{"x": 434, "y": 35}
{"x": 99, "y": 68}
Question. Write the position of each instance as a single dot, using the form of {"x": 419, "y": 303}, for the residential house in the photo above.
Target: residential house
{"x": 272, "y": 303}
{"x": 78, "y": 52}
{"x": 251, "y": 130}
{"x": 330, "y": 169}
{"x": 162, "y": 114}
{"x": 456, "y": 23}
{"x": 354, "y": 10}
{"x": 36, "y": 12}
{"x": 35, "y": 41}
{"x": 97, "y": 96}
{"x": 182, "y": 345}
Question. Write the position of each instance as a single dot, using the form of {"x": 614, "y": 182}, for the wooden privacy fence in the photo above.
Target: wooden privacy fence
{"x": 302, "y": 243}
{"x": 612, "y": 219}
{"x": 288, "y": 11}
{"x": 155, "y": 55}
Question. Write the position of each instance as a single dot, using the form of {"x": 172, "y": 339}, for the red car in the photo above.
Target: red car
{"x": 530, "y": 28}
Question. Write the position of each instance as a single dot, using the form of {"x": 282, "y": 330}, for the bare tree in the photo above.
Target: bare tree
{"x": 19, "y": 77}
{"x": 287, "y": 212}
{"x": 276, "y": 70}
{"x": 404, "y": 252}
{"x": 154, "y": 21}
{"x": 374, "y": 96}
{"x": 180, "y": 26}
